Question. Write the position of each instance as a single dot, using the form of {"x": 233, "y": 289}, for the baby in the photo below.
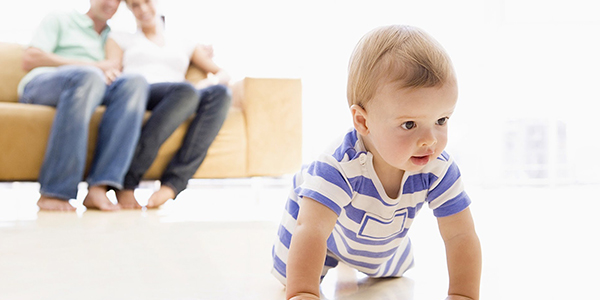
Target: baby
{"x": 357, "y": 201}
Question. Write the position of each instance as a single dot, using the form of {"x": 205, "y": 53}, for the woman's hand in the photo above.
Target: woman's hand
{"x": 111, "y": 70}
{"x": 111, "y": 75}
{"x": 206, "y": 82}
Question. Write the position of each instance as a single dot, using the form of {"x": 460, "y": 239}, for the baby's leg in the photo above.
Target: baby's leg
{"x": 399, "y": 263}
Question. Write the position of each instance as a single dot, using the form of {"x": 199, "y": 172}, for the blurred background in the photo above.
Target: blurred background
{"x": 527, "y": 69}
{"x": 523, "y": 132}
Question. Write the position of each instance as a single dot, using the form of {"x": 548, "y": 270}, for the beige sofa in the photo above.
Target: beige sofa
{"x": 261, "y": 136}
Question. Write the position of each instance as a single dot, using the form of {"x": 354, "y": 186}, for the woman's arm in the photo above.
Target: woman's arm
{"x": 463, "y": 253}
{"x": 308, "y": 249}
{"x": 113, "y": 55}
{"x": 202, "y": 59}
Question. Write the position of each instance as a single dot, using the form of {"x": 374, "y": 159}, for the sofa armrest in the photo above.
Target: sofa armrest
{"x": 10, "y": 71}
{"x": 273, "y": 112}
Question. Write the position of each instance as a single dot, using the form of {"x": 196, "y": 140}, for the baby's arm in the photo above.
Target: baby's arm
{"x": 463, "y": 253}
{"x": 308, "y": 249}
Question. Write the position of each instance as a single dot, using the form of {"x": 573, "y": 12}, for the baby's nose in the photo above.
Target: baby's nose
{"x": 427, "y": 139}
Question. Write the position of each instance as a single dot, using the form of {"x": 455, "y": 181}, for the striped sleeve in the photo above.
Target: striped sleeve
{"x": 326, "y": 184}
{"x": 446, "y": 195}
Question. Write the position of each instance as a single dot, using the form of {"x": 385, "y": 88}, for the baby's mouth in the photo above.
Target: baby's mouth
{"x": 420, "y": 160}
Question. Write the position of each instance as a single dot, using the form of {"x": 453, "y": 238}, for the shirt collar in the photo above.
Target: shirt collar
{"x": 84, "y": 21}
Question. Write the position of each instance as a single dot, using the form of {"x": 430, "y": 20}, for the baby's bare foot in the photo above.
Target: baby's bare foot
{"x": 54, "y": 204}
{"x": 96, "y": 199}
{"x": 127, "y": 200}
{"x": 160, "y": 197}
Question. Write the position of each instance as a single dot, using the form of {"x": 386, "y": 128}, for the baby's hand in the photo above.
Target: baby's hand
{"x": 305, "y": 296}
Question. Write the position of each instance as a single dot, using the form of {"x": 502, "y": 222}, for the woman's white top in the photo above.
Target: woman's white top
{"x": 167, "y": 63}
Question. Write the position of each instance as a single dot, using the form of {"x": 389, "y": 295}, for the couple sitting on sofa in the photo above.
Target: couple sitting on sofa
{"x": 76, "y": 65}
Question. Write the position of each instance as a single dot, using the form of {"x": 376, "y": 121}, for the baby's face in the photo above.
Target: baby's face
{"x": 408, "y": 127}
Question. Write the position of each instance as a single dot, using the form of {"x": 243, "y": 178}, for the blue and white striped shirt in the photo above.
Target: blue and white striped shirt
{"x": 371, "y": 231}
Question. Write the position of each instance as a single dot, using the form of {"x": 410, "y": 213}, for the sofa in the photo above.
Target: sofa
{"x": 262, "y": 135}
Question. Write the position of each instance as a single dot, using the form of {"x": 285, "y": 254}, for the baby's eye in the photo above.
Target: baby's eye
{"x": 408, "y": 125}
{"x": 442, "y": 121}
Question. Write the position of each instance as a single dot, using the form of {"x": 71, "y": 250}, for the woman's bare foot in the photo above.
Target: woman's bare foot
{"x": 54, "y": 204}
{"x": 160, "y": 197}
{"x": 127, "y": 200}
{"x": 96, "y": 199}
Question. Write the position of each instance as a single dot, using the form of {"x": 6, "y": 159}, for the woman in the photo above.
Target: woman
{"x": 172, "y": 100}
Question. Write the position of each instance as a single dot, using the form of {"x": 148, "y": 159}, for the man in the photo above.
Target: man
{"x": 69, "y": 72}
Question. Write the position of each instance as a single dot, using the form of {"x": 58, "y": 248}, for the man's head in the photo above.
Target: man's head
{"x": 399, "y": 54}
{"x": 102, "y": 10}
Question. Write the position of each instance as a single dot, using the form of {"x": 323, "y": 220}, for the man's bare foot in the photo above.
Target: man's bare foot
{"x": 96, "y": 199}
{"x": 54, "y": 204}
{"x": 160, "y": 197}
{"x": 127, "y": 200}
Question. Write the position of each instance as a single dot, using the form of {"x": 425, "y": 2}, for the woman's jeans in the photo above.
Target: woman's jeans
{"x": 171, "y": 105}
{"x": 76, "y": 92}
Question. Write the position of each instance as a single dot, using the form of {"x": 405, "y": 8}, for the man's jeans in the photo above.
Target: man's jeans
{"x": 171, "y": 105}
{"x": 76, "y": 92}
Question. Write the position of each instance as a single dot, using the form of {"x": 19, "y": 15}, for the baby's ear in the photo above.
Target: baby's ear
{"x": 359, "y": 119}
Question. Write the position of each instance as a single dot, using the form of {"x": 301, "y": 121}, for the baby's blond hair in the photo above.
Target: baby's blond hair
{"x": 396, "y": 54}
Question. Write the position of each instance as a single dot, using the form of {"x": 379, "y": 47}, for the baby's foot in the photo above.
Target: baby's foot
{"x": 160, "y": 197}
{"x": 127, "y": 200}
{"x": 96, "y": 199}
{"x": 54, "y": 204}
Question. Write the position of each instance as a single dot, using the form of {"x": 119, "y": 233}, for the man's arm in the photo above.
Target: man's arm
{"x": 463, "y": 253}
{"x": 34, "y": 57}
{"x": 308, "y": 249}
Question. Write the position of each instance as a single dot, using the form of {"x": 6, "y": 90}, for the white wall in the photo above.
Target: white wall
{"x": 518, "y": 62}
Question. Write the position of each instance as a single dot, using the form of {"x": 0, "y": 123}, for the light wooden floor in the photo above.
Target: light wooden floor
{"x": 215, "y": 243}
